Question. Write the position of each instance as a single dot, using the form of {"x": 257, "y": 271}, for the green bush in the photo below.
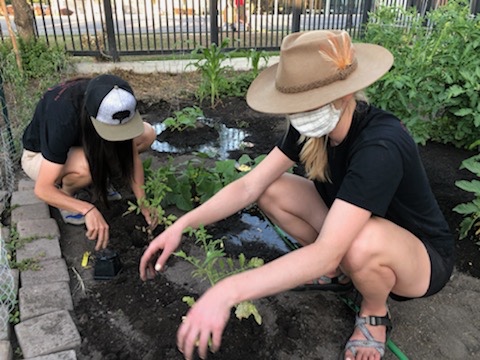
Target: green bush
{"x": 434, "y": 84}
{"x": 38, "y": 60}
{"x": 42, "y": 66}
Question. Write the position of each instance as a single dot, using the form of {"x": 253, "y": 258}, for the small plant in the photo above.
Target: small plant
{"x": 156, "y": 189}
{"x": 211, "y": 67}
{"x": 471, "y": 209}
{"x": 188, "y": 184}
{"x": 14, "y": 317}
{"x": 254, "y": 57}
{"x": 183, "y": 119}
{"x": 216, "y": 266}
{"x": 16, "y": 243}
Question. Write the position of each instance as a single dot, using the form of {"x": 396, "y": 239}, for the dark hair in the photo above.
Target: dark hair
{"x": 107, "y": 159}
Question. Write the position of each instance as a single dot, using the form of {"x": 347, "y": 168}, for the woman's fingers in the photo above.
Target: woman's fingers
{"x": 187, "y": 339}
{"x": 148, "y": 266}
{"x": 97, "y": 229}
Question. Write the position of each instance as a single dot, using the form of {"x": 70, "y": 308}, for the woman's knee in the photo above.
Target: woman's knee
{"x": 76, "y": 169}
{"x": 271, "y": 196}
{"x": 365, "y": 247}
{"x": 144, "y": 141}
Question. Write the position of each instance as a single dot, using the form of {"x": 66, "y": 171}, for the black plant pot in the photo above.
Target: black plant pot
{"x": 107, "y": 265}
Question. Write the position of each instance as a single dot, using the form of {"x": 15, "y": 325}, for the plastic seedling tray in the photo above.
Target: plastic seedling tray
{"x": 107, "y": 265}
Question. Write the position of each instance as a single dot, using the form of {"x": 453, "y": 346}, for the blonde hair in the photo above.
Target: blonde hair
{"x": 314, "y": 156}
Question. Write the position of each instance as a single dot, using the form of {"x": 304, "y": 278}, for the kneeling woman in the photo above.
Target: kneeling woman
{"x": 85, "y": 132}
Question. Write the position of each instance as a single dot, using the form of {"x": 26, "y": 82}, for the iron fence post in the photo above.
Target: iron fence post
{"x": 367, "y": 7}
{"x": 475, "y": 7}
{"x": 214, "y": 22}
{"x": 296, "y": 13}
{"x": 112, "y": 45}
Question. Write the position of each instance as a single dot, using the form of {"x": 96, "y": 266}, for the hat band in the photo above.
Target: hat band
{"x": 340, "y": 75}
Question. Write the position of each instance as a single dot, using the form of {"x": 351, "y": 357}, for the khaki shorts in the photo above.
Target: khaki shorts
{"x": 31, "y": 163}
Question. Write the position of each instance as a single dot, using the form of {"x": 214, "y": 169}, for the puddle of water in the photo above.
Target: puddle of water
{"x": 258, "y": 230}
{"x": 229, "y": 139}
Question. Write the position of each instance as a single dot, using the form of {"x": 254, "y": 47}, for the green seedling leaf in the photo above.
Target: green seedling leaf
{"x": 245, "y": 309}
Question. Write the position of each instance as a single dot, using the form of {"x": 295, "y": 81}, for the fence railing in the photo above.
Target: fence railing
{"x": 113, "y": 28}
{"x": 109, "y": 29}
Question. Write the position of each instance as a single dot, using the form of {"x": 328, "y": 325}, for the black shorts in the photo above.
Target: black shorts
{"x": 442, "y": 269}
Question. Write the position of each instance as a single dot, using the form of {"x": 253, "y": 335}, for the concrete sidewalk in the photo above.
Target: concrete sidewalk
{"x": 169, "y": 66}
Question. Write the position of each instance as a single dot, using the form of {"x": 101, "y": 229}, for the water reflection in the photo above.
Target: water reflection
{"x": 229, "y": 139}
{"x": 258, "y": 230}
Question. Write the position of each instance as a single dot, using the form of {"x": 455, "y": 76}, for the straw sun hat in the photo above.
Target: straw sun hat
{"x": 316, "y": 68}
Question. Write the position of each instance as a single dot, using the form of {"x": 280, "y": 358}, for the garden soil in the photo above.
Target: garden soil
{"x": 125, "y": 318}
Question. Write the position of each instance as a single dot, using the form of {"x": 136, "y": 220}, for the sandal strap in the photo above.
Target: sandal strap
{"x": 331, "y": 280}
{"x": 370, "y": 341}
{"x": 374, "y": 320}
{"x": 352, "y": 346}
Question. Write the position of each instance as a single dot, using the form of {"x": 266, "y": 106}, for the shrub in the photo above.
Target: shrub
{"x": 434, "y": 84}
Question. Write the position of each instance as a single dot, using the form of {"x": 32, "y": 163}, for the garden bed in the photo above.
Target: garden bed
{"x": 125, "y": 318}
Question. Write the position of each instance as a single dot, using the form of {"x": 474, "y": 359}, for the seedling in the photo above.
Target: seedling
{"x": 186, "y": 118}
{"x": 216, "y": 266}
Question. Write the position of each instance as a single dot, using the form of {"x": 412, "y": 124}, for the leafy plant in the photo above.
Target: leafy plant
{"x": 155, "y": 191}
{"x": 254, "y": 57}
{"x": 212, "y": 69}
{"x": 434, "y": 85}
{"x": 183, "y": 119}
{"x": 216, "y": 266}
{"x": 187, "y": 184}
{"x": 471, "y": 209}
{"x": 16, "y": 243}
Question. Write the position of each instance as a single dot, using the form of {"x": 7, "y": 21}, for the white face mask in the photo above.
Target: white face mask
{"x": 316, "y": 123}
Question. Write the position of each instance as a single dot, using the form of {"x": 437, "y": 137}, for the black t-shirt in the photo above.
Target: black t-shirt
{"x": 378, "y": 168}
{"x": 55, "y": 126}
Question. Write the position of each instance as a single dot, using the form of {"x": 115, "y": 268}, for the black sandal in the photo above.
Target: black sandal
{"x": 369, "y": 342}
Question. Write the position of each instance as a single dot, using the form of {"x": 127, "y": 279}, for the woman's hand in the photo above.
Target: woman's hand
{"x": 167, "y": 242}
{"x": 204, "y": 324}
{"x": 97, "y": 228}
{"x": 151, "y": 216}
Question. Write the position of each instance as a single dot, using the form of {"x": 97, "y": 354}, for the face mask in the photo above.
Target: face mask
{"x": 316, "y": 123}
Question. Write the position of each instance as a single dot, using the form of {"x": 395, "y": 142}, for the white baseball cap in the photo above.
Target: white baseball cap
{"x": 112, "y": 107}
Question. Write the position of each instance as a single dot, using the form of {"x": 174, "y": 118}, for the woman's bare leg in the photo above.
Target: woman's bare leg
{"x": 385, "y": 258}
{"x": 144, "y": 141}
{"x": 293, "y": 203}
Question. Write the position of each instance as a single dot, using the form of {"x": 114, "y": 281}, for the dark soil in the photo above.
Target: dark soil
{"x": 125, "y": 318}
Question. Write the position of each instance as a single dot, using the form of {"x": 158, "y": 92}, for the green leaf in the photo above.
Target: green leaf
{"x": 463, "y": 112}
{"x": 189, "y": 300}
{"x": 467, "y": 208}
{"x": 465, "y": 227}
{"x": 470, "y": 186}
{"x": 247, "y": 308}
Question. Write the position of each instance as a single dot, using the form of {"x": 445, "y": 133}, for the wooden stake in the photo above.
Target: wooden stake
{"x": 12, "y": 35}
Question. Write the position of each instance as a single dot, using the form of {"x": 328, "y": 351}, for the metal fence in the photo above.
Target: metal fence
{"x": 114, "y": 28}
